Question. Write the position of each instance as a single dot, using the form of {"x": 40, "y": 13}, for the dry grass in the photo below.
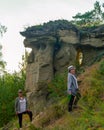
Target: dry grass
{"x": 56, "y": 117}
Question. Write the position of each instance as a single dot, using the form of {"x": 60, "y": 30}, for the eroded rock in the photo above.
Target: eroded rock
{"x": 55, "y": 46}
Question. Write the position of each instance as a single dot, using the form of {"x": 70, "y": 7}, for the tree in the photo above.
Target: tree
{"x": 23, "y": 64}
{"x": 90, "y": 18}
{"x": 3, "y": 29}
{"x": 97, "y": 13}
{"x": 9, "y": 85}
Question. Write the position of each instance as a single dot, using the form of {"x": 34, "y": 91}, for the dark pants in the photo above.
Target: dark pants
{"x": 73, "y": 101}
{"x": 20, "y": 117}
{"x": 77, "y": 97}
{"x": 70, "y": 104}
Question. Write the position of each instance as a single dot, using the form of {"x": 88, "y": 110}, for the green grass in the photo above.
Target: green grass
{"x": 89, "y": 115}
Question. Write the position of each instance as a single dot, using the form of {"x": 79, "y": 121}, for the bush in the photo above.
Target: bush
{"x": 9, "y": 85}
{"x": 58, "y": 87}
{"x": 101, "y": 68}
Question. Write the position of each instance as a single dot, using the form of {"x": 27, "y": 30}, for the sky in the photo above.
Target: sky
{"x": 18, "y": 14}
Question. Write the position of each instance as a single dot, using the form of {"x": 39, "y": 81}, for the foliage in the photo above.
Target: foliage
{"x": 90, "y": 113}
{"x": 3, "y": 29}
{"x": 23, "y": 63}
{"x": 57, "y": 88}
{"x": 101, "y": 70}
{"x": 9, "y": 85}
{"x": 54, "y": 112}
{"x": 32, "y": 127}
{"x": 2, "y": 67}
{"x": 49, "y": 28}
{"x": 91, "y": 18}
{"x": 95, "y": 87}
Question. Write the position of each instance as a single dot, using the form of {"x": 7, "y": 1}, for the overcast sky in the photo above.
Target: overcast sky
{"x": 17, "y": 14}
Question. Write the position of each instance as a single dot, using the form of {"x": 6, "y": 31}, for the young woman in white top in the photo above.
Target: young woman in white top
{"x": 21, "y": 107}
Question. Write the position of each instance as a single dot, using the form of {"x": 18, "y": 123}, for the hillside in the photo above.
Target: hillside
{"x": 88, "y": 116}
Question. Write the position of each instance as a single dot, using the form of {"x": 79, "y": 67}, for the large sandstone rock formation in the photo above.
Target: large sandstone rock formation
{"x": 55, "y": 46}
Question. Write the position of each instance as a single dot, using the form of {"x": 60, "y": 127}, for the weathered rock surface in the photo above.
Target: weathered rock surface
{"x": 55, "y": 46}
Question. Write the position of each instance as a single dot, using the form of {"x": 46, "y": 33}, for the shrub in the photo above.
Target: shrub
{"x": 9, "y": 85}
{"x": 57, "y": 88}
{"x": 101, "y": 68}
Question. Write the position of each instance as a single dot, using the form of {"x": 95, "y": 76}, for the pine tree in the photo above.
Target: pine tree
{"x": 90, "y": 18}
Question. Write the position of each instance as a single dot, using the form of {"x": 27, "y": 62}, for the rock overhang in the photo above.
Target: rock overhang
{"x": 65, "y": 32}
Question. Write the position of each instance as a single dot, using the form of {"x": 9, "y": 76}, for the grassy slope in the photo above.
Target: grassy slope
{"x": 89, "y": 115}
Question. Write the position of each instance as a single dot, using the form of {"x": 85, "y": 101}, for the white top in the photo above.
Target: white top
{"x": 75, "y": 81}
{"x": 22, "y": 105}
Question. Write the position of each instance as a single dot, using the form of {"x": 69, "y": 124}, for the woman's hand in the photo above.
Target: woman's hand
{"x": 69, "y": 92}
{"x": 16, "y": 113}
